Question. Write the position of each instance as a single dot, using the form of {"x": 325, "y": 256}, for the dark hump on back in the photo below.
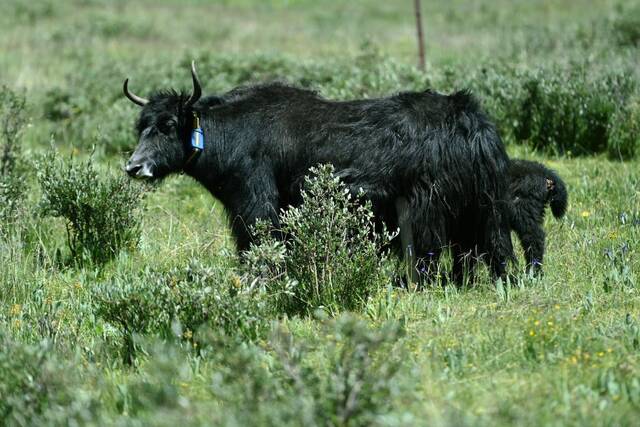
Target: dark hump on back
{"x": 458, "y": 109}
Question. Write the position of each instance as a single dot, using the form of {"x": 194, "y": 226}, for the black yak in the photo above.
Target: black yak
{"x": 532, "y": 188}
{"x": 439, "y": 153}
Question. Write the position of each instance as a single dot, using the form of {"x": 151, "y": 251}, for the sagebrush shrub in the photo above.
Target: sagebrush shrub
{"x": 624, "y": 131}
{"x": 556, "y": 109}
{"x": 332, "y": 256}
{"x": 625, "y": 25}
{"x": 177, "y": 302}
{"x": 353, "y": 383}
{"x": 39, "y": 388}
{"x": 569, "y": 111}
{"x": 102, "y": 212}
{"x": 13, "y": 119}
{"x": 11, "y": 193}
{"x": 360, "y": 382}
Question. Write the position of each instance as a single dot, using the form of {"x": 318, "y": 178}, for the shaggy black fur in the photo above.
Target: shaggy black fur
{"x": 439, "y": 152}
{"x": 532, "y": 188}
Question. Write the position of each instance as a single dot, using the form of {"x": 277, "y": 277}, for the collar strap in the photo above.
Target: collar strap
{"x": 197, "y": 141}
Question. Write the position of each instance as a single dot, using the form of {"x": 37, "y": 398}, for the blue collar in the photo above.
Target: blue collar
{"x": 197, "y": 141}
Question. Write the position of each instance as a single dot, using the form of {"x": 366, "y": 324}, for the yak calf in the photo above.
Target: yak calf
{"x": 533, "y": 187}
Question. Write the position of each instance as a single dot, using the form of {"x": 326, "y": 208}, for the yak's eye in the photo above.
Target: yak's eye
{"x": 167, "y": 126}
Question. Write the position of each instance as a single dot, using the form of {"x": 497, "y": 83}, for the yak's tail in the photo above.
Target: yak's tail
{"x": 559, "y": 197}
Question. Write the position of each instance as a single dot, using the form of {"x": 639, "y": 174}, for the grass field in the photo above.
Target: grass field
{"x": 170, "y": 328}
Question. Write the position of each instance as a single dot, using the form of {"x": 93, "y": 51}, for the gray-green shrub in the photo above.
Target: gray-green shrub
{"x": 102, "y": 212}
{"x": 557, "y": 109}
{"x": 178, "y": 302}
{"x": 625, "y": 25}
{"x": 352, "y": 383}
{"x": 39, "y": 388}
{"x": 624, "y": 131}
{"x": 332, "y": 257}
{"x": 13, "y": 119}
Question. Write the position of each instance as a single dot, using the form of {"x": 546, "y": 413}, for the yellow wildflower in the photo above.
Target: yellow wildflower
{"x": 586, "y": 214}
{"x": 236, "y": 282}
{"x": 532, "y": 333}
{"x": 15, "y": 309}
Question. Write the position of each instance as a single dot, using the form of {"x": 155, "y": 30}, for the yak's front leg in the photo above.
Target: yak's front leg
{"x": 255, "y": 198}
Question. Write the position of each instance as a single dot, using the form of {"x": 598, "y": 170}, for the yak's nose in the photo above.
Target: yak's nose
{"x": 137, "y": 169}
{"x": 132, "y": 169}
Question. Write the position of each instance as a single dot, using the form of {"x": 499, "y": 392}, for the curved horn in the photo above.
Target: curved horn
{"x": 197, "y": 88}
{"x": 133, "y": 97}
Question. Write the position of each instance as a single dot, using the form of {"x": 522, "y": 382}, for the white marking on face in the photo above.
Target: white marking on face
{"x": 145, "y": 171}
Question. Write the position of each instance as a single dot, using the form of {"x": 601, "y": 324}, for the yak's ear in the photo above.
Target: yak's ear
{"x": 551, "y": 185}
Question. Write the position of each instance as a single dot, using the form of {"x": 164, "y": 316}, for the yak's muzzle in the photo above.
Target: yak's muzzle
{"x": 138, "y": 169}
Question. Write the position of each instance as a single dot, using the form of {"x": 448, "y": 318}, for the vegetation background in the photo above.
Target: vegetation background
{"x": 125, "y": 305}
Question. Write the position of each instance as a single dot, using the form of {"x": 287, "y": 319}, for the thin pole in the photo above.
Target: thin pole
{"x": 418, "y": 8}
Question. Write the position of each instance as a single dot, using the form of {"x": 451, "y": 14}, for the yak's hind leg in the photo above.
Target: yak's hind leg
{"x": 533, "y": 243}
{"x": 532, "y": 238}
{"x": 497, "y": 240}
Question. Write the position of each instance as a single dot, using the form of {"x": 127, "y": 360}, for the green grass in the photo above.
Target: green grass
{"x": 560, "y": 350}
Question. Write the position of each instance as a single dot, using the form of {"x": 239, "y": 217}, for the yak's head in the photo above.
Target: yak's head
{"x": 164, "y": 130}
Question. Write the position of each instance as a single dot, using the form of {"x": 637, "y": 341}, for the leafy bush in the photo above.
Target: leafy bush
{"x": 352, "y": 383}
{"x": 287, "y": 379}
{"x": 177, "y": 303}
{"x": 624, "y": 131}
{"x": 558, "y": 110}
{"x": 29, "y": 12}
{"x": 13, "y": 120}
{"x": 101, "y": 211}
{"x": 154, "y": 396}
{"x": 38, "y": 388}
{"x": 625, "y": 25}
{"x": 563, "y": 114}
{"x": 332, "y": 256}
{"x": 569, "y": 110}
